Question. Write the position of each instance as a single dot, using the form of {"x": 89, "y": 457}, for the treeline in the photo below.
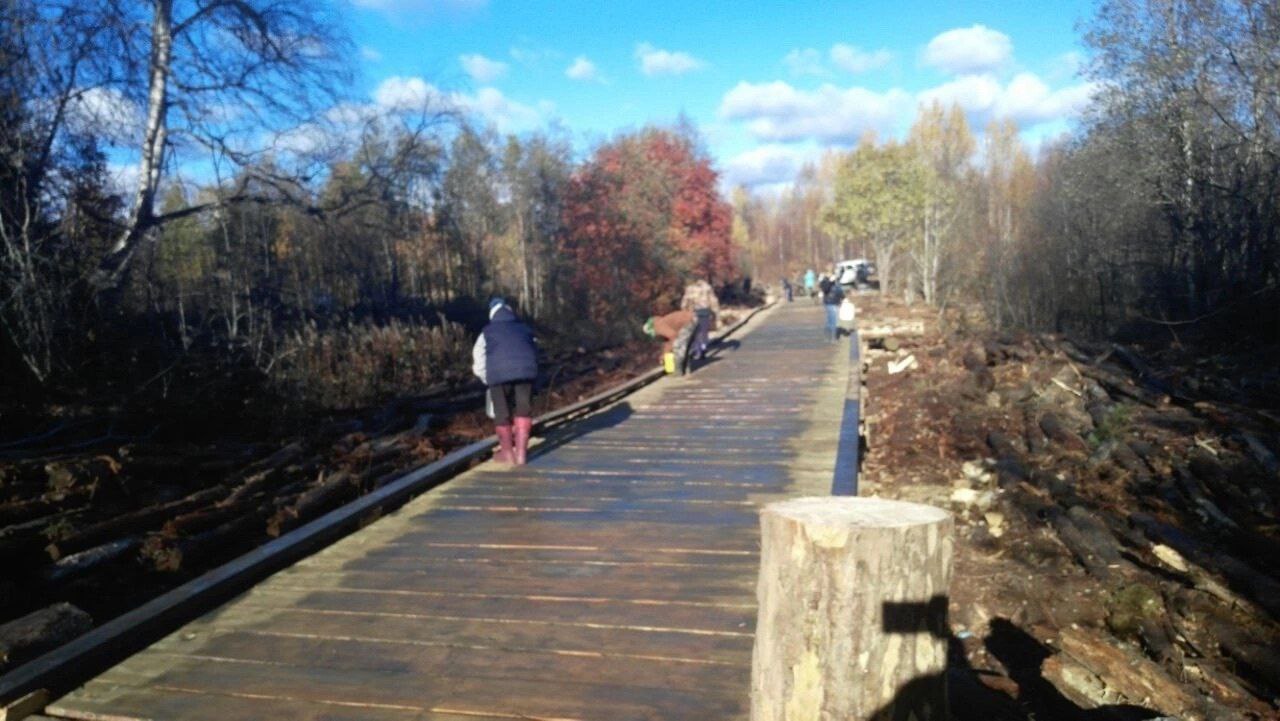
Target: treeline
{"x": 342, "y": 258}
{"x": 1161, "y": 213}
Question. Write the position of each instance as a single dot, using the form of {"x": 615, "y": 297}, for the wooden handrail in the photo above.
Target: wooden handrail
{"x": 844, "y": 480}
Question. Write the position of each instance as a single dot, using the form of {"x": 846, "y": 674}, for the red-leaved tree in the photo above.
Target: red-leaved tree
{"x": 643, "y": 217}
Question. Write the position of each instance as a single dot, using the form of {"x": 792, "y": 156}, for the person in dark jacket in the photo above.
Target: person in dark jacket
{"x": 832, "y": 294}
{"x": 505, "y": 358}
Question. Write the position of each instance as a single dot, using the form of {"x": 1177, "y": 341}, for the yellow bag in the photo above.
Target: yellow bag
{"x": 669, "y": 362}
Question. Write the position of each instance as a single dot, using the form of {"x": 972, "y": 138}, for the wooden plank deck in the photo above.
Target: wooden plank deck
{"x": 611, "y": 578}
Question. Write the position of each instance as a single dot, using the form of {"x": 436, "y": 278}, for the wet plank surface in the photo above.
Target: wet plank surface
{"x": 612, "y": 578}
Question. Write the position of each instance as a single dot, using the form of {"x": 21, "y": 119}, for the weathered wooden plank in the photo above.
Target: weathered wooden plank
{"x": 719, "y": 617}
{"x": 481, "y": 682}
{"x": 426, "y": 627}
{"x": 130, "y": 703}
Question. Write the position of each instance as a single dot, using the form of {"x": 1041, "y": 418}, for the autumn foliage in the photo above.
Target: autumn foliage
{"x": 642, "y": 217}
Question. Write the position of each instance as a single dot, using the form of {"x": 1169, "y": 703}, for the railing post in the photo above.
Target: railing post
{"x": 845, "y": 478}
{"x": 852, "y": 617}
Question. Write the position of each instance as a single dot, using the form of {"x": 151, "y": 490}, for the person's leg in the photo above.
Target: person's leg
{"x": 501, "y": 404}
{"x": 682, "y": 348}
{"x": 701, "y": 336}
{"x": 830, "y": 330}
{"x": 523, "y": 402}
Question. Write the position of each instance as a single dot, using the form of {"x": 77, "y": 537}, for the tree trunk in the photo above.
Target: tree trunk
{"x": 40, "y": 631}
{"x": 852, "y": 610}
{"x": 113, "y": 267}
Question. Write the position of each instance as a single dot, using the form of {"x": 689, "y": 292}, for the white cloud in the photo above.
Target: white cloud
{"x": 973, "y": 93}
{"x": 123, "y": 178}
{"x": 401, "y": 93}
{"x": 779, "y": 112}
{"x": 806, "y": 61}
{"x": 766, "y": 165}
{"x": 582, "y": 69}
{"x": 506, "y": 114}
{"x": 419, "y": 6}
{"x": 852, "y": 59}
{"x": 654, "y": 61}
{"x": 1067, "y": 66}
{"x": 968, "y": 50}
{"x": 482, "y": 69}
{"x": 1026, "y": 99}
{"x": 370, "y": 54}
{"x": 107, "y": 113}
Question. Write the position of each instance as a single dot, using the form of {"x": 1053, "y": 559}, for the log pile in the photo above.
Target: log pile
{"x": 1123, "y": 516}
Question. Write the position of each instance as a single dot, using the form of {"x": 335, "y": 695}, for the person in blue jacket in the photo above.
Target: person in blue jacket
{"x": 505, "y": 358}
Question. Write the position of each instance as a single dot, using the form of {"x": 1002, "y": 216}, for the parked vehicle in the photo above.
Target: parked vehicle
{"x": 855, "y": 273}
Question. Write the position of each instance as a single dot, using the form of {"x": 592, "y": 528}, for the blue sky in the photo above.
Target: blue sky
{"x": 768, "y": 84}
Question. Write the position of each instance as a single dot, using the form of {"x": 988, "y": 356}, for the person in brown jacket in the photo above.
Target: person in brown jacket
{"x": 669, "y": 326}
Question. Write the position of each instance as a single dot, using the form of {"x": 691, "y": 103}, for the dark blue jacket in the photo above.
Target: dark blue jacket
{"x": 510, "y": 355}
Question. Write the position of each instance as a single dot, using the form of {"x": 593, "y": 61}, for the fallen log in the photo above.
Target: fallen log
{"x": 1125, "y": 456}
{"x": 1259, "y": 588}
{"x": 1118, "y": 675}
{"x": 1144, "y": 371}
{"x": 329, "y": 493}
{"x": 21, "y": 545}
{"x": 1262, "y": 454}
{"x": 257, "y": 483}
{"x": 1005, "y": 446}
{"x": 1037, "y": 441}
{"x": 202, "y": 519}
{"x": 21, "y": 475}
{"x": 1054, "y": 428}
{"x": 86, "y": 562}
{"x": 282, "y": 457}
{"x": 1088, "y": 540}
{"x": 23, "y": 511}
{"x": 1190, "y": 488}
{"x": 174, "y": 554}
{"x": 1257, "y": 658}
{"x": 1120, "y": 387}
{"x": 40, "y": 631}
{"x": 134, "y": 523}
{"x": 65, "y": 475}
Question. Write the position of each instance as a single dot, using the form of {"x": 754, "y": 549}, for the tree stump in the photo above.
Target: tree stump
{"x": 852, "y": 618}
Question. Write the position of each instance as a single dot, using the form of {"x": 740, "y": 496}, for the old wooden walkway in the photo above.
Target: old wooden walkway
{"x": 611, "y": 578}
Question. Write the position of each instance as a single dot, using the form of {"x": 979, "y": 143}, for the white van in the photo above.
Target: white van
{"x": 854, "y": 272}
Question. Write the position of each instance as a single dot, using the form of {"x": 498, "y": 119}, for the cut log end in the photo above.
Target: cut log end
{"x": 856, "y": 512}
{"x": 853, "y": 605}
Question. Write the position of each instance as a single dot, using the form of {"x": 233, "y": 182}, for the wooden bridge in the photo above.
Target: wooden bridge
{"x": 611, "y": 578}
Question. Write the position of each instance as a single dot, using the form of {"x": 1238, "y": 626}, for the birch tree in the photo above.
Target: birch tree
{"x": 944, "y": 142}
{"x": 222, "y": 80}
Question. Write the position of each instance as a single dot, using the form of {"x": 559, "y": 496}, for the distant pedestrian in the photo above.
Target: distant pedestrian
{"x": 505, "y": 358}
{"x": 700, "y": 298}
{"x": 810, "y": 281}
{"x": 832, "y": 294}
{"x": 786, "y": 289}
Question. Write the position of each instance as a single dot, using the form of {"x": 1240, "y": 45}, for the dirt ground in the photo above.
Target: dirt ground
{"x": 1118, "y": 552}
